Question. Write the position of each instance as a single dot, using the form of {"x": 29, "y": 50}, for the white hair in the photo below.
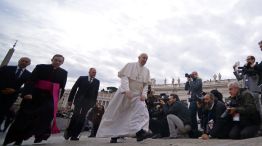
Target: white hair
{"x": 234, "y": 84}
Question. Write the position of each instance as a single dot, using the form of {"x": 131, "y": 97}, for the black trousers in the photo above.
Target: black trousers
{"x": 159, "y": 126}
{"x": 6, "y": 101}
{"x": 94, "y": 129}
{"x": 240, "y": 132}
{"x": 78, "y": 119}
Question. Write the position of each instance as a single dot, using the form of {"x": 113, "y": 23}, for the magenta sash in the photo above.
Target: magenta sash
{"x": 54, "y": 89}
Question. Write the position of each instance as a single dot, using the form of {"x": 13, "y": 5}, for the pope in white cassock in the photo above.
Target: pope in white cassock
{"x": 127, "y": 114}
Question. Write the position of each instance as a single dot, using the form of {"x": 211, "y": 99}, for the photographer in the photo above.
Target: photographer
{"x": 243, "y": 113}
{"x": 215, "y": 126}
{"x": 195, "y": 91}
{"x": 178, "y": 117}
{"x": 157, "y": 118}
{"x": 248, "y": 74}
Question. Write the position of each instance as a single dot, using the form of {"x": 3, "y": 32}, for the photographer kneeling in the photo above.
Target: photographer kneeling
{"x": 214, "y": 125}
{"x": 243, "y": 113}
{"x": 178, "y": 117}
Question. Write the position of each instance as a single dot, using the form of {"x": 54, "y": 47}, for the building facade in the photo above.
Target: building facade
{"x": 157, "y": 89}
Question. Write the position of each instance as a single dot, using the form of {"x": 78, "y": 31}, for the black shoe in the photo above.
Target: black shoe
{"x": 113, "y": 140}
{"x": 74, "y": 139}
{"x": 66, "y": 135}
{"x": 141, "y": 135}
{"x": 18, "y": 142}
{"x": 157, "y": 136}
{"x": 38, "y": 140}
{"x": 92, "y": 135}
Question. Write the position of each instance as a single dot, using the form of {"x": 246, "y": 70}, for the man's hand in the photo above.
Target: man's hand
{"x": 232, "y": 110}
{"x": 142, "y": 98}
{"x": 8, "y": 91}
{"x": 69, "y": 103}
{"x": 253, "y": 65}
{"x": 162, "y": 102}
{"x": 28, "y": 97}
{"x": 128, "y": 94}
{"x": 204, "y": 137}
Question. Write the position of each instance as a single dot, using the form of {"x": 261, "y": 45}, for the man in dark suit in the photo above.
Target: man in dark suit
{"x": 11, "y": 80}
{"x": 84, "y": 93}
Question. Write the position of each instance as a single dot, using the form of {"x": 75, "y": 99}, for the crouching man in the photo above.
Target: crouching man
{"x": 178, "y": 117}
{"x": 243, "y": 113}
{"x": 214, "y": 125}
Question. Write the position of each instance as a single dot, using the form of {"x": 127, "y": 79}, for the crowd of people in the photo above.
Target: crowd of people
{"x": 133, "y": 111}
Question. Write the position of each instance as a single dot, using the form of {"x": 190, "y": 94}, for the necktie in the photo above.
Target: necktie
{"x": 91, "y": 80}
{"x": 18, "y": 72}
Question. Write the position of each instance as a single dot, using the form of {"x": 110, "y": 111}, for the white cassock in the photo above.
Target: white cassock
{"x": 124, "y": 116}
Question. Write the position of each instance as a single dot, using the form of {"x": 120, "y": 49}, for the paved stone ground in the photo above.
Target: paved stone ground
{"x": 58, "y": 140}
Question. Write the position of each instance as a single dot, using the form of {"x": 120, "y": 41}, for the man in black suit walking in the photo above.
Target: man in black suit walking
{"x": 84, "y": 93}
{"x": 11, "y": 80}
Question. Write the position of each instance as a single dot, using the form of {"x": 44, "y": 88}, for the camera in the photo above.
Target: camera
{"x": 247, "y": 70}
{"x": 231, "y": 103}
{"x": 188, "y": 75}
{"x": 163, "y": 97}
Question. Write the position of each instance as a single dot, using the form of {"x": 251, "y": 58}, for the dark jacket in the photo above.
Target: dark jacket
{"x": 8, "y": 79}
{"x": 195, "y": 88}
{"x": 83, "y": 92}
{"x": 47, "y": 73}
{"x": 221, "y": 126}
{"x": 180, "y": 110}
{"x": 246, "y": 107}
{"x": 96, "y": 115}
{"x": 258, "y": 68}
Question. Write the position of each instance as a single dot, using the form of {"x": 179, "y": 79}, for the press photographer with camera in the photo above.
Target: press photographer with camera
{"x": 195, "y": 90}
{"x": 243, "y": 112}
{"x": 215, "y": 126}
{"x": 248, "y": 74}
{"x": 178, "y": 117}
{"x": 157, "y": 119}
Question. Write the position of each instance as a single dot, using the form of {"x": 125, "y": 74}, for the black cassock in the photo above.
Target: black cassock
{"x": 35, "y": 116}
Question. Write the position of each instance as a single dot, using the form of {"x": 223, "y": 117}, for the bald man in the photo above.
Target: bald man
{"x": 195, "y": 91}
{"x": 11, "y": 80}
{"x": 84, "y": 94}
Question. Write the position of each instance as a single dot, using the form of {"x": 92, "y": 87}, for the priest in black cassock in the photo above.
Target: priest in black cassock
{"x": 39, "y": 104}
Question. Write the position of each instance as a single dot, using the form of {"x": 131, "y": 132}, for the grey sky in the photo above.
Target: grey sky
{"x": 180, "y": 36}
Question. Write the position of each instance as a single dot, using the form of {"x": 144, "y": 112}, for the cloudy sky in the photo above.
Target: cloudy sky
{"x": 180, "y": 36}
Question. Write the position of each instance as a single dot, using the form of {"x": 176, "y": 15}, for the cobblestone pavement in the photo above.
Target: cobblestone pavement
{"x": 57, "y": 140}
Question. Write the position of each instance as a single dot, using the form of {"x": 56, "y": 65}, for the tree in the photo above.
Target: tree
{"x": 111, "y": 89}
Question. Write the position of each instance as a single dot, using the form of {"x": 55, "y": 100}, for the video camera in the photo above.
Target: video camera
{"x": 247, "y": 70}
